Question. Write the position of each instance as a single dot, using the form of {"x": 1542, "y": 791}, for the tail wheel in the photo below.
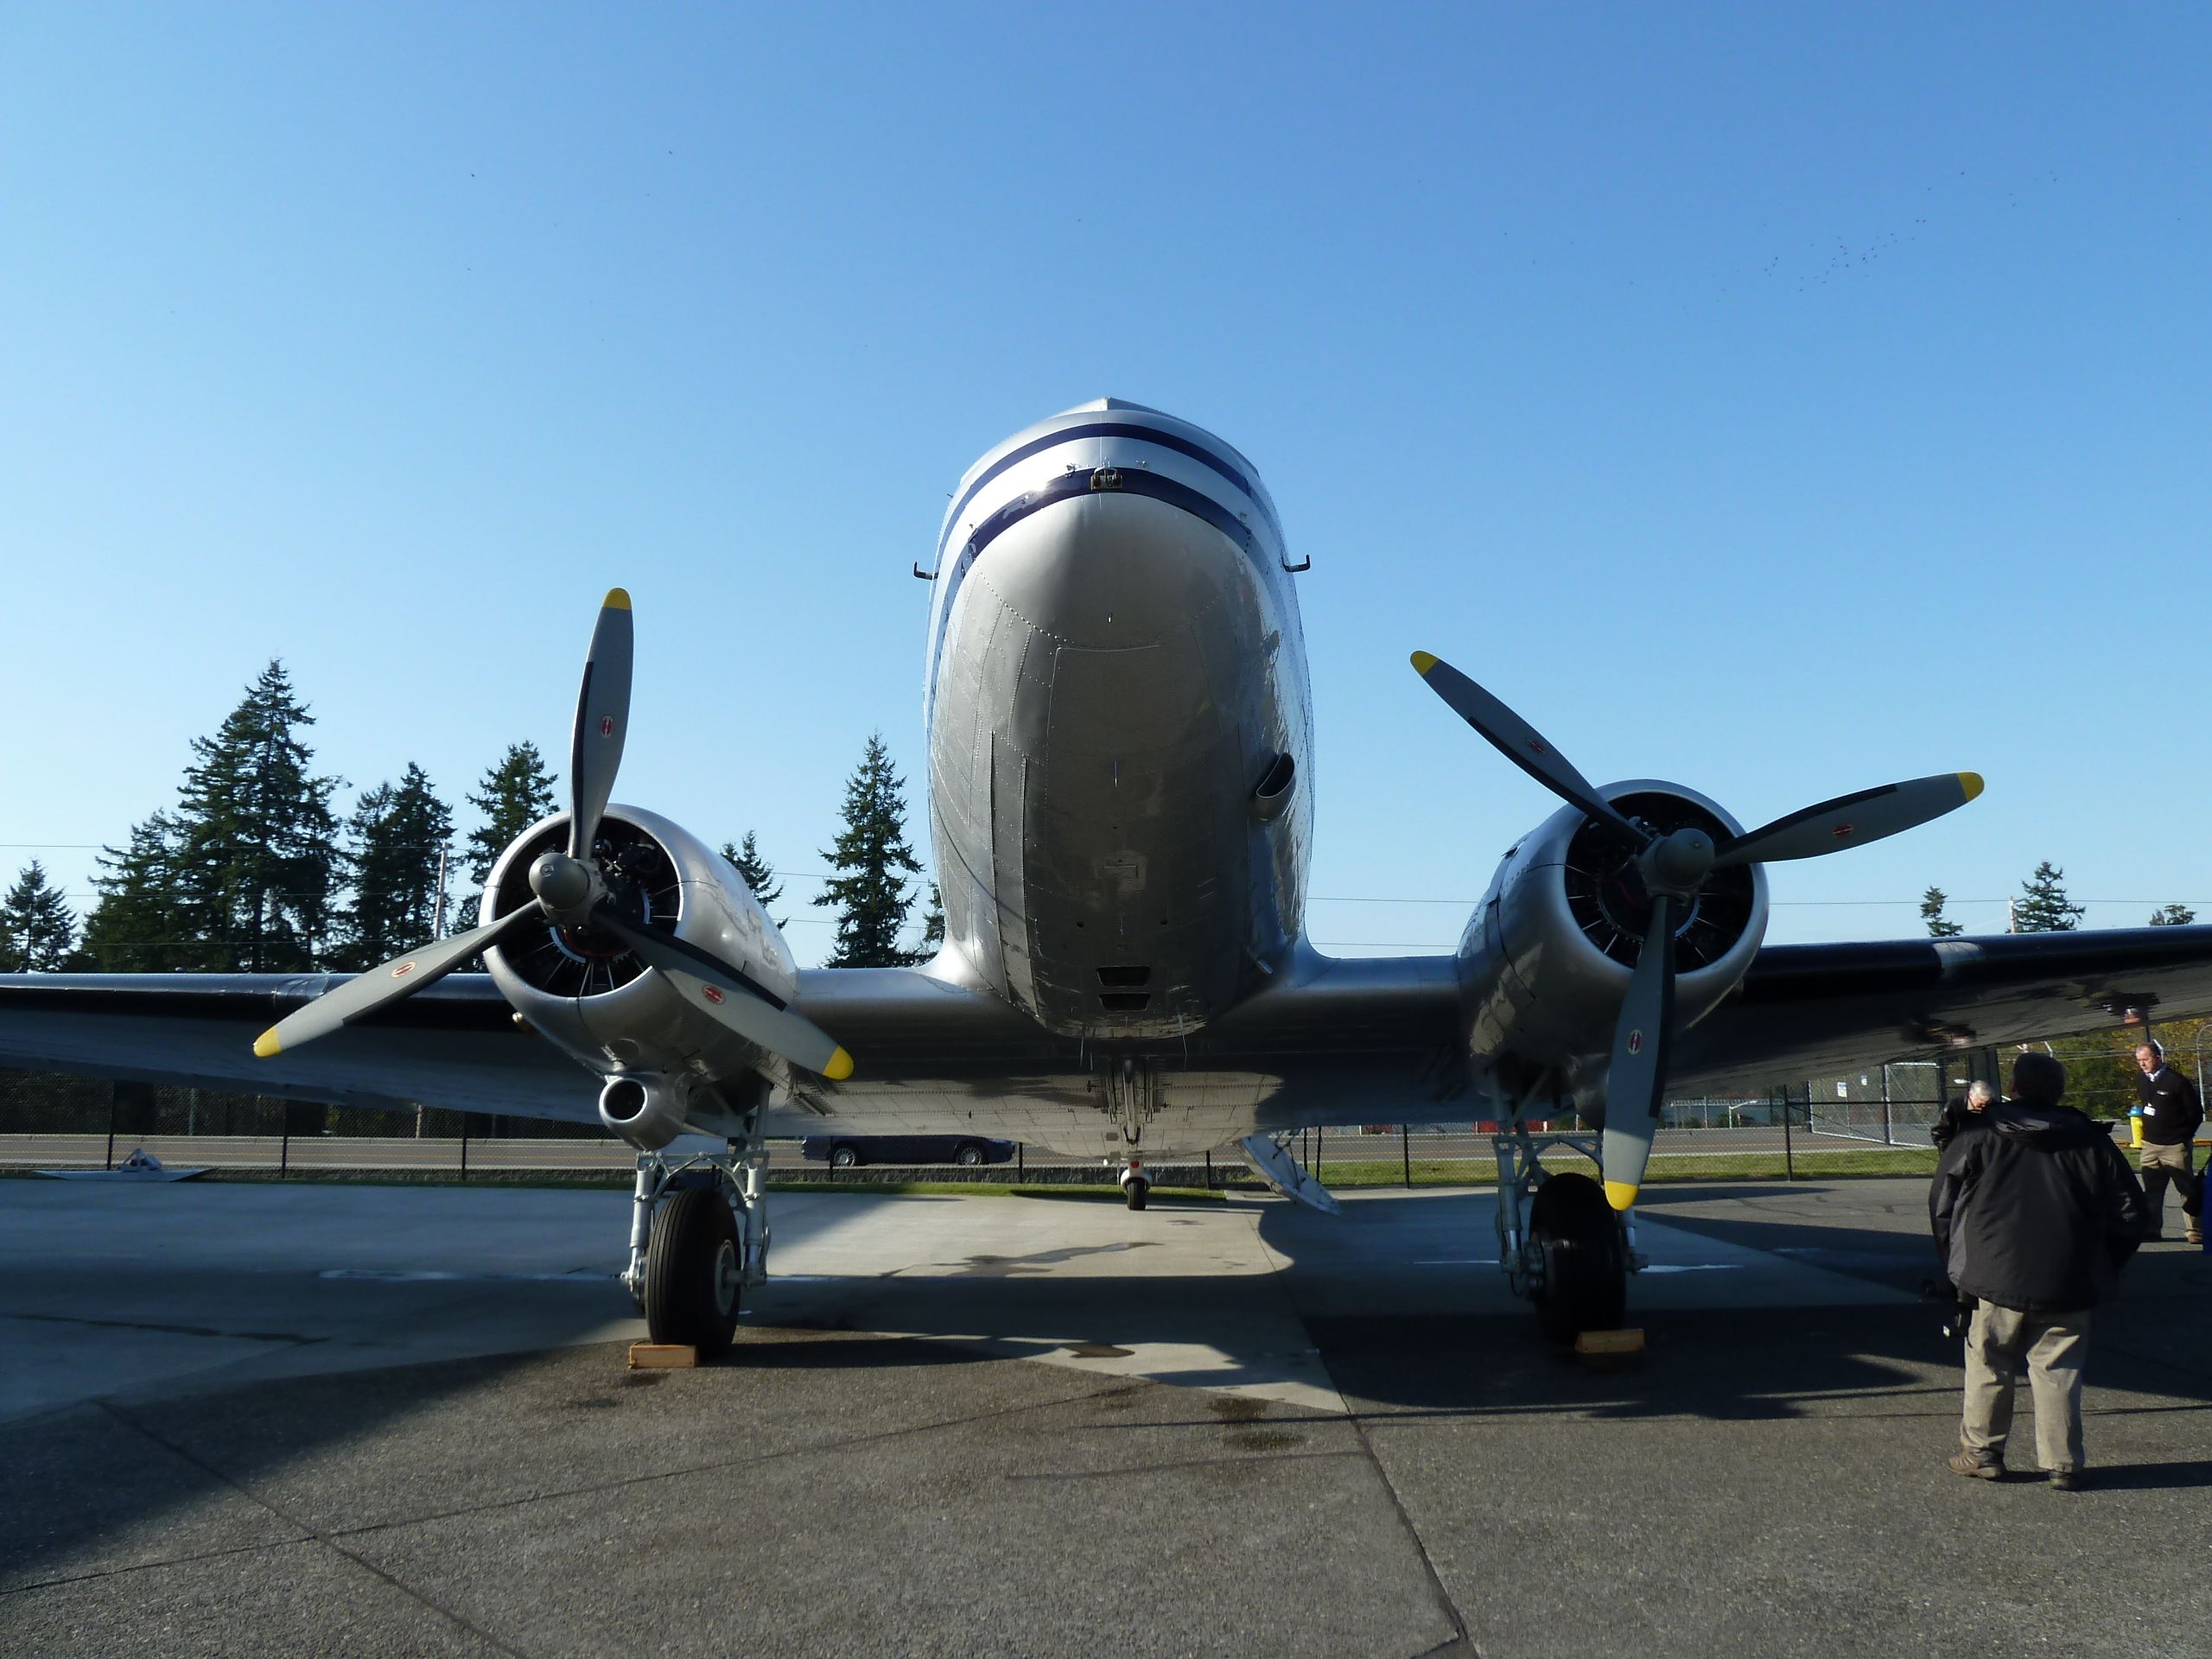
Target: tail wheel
{"x": 695, "y": 1272}
{"x": 1585, "y": 1265}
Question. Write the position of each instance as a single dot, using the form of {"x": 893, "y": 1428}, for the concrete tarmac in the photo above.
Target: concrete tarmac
{"x": 249, "y": 1419}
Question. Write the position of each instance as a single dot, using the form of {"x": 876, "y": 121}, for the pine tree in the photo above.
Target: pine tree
{"x": 396, "y": 838}
{"x": 137, "y": 926}
{"x": 760, "y": 875}
{"x": 870, "y": 893}
{"x": 258, "y": 862}
{"x": 932, "y": 927}
{"x": 2172, "y": 916}
{"x": 1931, "y": 912}
{"x": 2045, "y": 909}
{"x": 515, "y": 794}
{"x": 37, "y": 928}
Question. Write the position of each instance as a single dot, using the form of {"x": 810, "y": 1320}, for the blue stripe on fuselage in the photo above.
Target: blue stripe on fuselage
{"x": 1222, "y": 516}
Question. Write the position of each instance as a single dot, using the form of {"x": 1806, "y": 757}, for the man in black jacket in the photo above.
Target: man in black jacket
{"x": 2033, "y": 1215}
{"x": 2171, "y": 1112}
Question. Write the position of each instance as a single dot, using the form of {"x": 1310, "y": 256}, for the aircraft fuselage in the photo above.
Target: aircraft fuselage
{"x": 1120, "y": 733}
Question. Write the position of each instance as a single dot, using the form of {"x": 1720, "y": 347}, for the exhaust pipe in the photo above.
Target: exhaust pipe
{"x": 644, "y": 1109}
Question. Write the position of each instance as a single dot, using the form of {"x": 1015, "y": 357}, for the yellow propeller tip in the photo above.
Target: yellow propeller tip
{"x": 1970, "y": 782}
{"x": 840, "y": 1067}
{"x": 1620, "y": 1194}
{"x": 266, "y": 1046}
{"x": 1422, "y": 663}
{"x": 617, "y": 599}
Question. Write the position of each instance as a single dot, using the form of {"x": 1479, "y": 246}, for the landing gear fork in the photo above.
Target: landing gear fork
{"x": 1560, "y": 1245}
{"x": 698, "y": 1237}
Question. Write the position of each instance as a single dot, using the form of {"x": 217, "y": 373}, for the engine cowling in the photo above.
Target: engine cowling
{"x": 1549, "y": 956}
{"x": 671, "y": 1067}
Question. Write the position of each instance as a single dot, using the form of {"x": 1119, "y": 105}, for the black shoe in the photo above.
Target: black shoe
{"x": 2066, "y": 1480}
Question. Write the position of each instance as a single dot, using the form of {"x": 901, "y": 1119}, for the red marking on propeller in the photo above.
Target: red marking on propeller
{"x": 713, "y": 993}
{"x": 1535, "y": 746}
{"x": 1635, "y": 1042}
{"x": 1841, "y": 830}
{"x": 607, "y": 725}
{"x": 402, "y": 970}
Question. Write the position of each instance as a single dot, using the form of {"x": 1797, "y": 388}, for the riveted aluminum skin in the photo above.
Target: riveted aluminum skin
{"x": 645, "y": 1026}
{"x": 1539, "y": 989}
{"x": 1115, "y": 664}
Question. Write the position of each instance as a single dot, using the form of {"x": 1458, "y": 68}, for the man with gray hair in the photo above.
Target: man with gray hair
{"x": 1963, "y": 1113}
{"x": 2033, "y": 1214}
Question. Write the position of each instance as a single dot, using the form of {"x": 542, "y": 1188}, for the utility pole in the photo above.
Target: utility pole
{"x": 438, "y": 919}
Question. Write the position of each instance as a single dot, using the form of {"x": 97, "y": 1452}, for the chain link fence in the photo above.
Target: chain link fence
{"x": 1870, "y": 1124}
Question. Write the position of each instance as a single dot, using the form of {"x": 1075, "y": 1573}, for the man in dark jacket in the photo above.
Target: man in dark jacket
{"x": 2033, "y": 1215}
{"x": 2171, "y": 1112}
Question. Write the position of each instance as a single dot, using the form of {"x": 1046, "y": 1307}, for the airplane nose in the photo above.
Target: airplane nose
{"x": 1110, "y": 570}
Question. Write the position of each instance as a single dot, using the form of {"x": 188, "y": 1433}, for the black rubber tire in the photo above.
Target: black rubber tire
{"x": 694, "y": 1277}
{"x": 1136, "y": 1192}
{"x": 1585, "y": 1268}
{"x": 970, "y": 1156}
{"x": 844, "y": 1158}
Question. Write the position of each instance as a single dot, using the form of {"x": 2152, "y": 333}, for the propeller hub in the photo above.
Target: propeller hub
{"x": 1679, "y": 863}
{"x": 563, "y": 885}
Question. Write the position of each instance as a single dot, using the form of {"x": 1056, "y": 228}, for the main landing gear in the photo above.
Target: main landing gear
{"x": 1561, "y": 1245}
{"x": 698, "y": 1236}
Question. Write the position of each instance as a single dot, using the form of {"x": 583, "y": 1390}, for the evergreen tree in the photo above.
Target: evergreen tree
{"x": 2045, "y": 909}
{"x": 2172, "y": 916}
{"x": 1931, "y": 912}
{"x": 932, "y": 927}
{"x": 258, "y": 863}
{"x": 871, "y": 854}
{"x": 515, "y": 794}
{"x": 136, "y": 925}
{"x": 758, "y": 873}
{"x": 37, "y": 928}
{"x": 395, "y": 839}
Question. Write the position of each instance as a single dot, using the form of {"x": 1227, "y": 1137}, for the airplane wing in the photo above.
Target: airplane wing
{"x": 1332, "y": 1040}
{"x": 454, "y": 1043}
{"x": 1812, "y": 1010}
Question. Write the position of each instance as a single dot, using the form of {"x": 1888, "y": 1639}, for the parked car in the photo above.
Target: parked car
{"x": 849, "y": 1151}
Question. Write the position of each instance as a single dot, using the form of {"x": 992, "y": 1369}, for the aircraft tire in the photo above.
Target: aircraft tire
{"x": 1586, "y": 1268}
{"x": 695, "y": 1272}
{"x": 1136, "y": 1192}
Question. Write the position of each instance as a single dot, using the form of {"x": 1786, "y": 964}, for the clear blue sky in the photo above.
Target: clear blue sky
{"x": 1779, "y": 399}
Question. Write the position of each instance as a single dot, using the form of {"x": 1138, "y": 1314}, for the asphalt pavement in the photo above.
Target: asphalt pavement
{"x": 258, "y": 1419}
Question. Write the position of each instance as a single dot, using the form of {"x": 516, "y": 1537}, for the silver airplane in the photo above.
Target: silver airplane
{"x": 1121, "y": 801}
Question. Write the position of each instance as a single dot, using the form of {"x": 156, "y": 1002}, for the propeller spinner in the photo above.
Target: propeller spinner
{"x": 1673, "y": 867}
{"x": 570, "y": 890}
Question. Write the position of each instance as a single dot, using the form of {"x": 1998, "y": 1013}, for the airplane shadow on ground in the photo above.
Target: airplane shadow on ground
{"x": 75, "y": 1481}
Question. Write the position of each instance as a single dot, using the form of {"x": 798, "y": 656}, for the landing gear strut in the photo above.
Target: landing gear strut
{"x": 698, "y": 1236}
{"x": 1561, "y": 1245}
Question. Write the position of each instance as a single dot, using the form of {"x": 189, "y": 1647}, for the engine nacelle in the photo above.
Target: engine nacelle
{"x": 672, "y": 1067}
{"x": 1549, "y": 956}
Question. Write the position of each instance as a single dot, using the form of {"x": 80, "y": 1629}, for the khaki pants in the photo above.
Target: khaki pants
{"x": 2054, "y": 1346}
{"x": 2161, "y": 1165}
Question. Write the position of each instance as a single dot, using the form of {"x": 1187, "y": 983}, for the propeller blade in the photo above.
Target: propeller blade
{"x": 1636, "y": 1087}
{"x": 748, "y": 1008}
{"x": 1852, "y": 820}
{"x": 364, "y": 994}
{"x": 602, "y": 721}
{"x": 1520, "y": 743}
